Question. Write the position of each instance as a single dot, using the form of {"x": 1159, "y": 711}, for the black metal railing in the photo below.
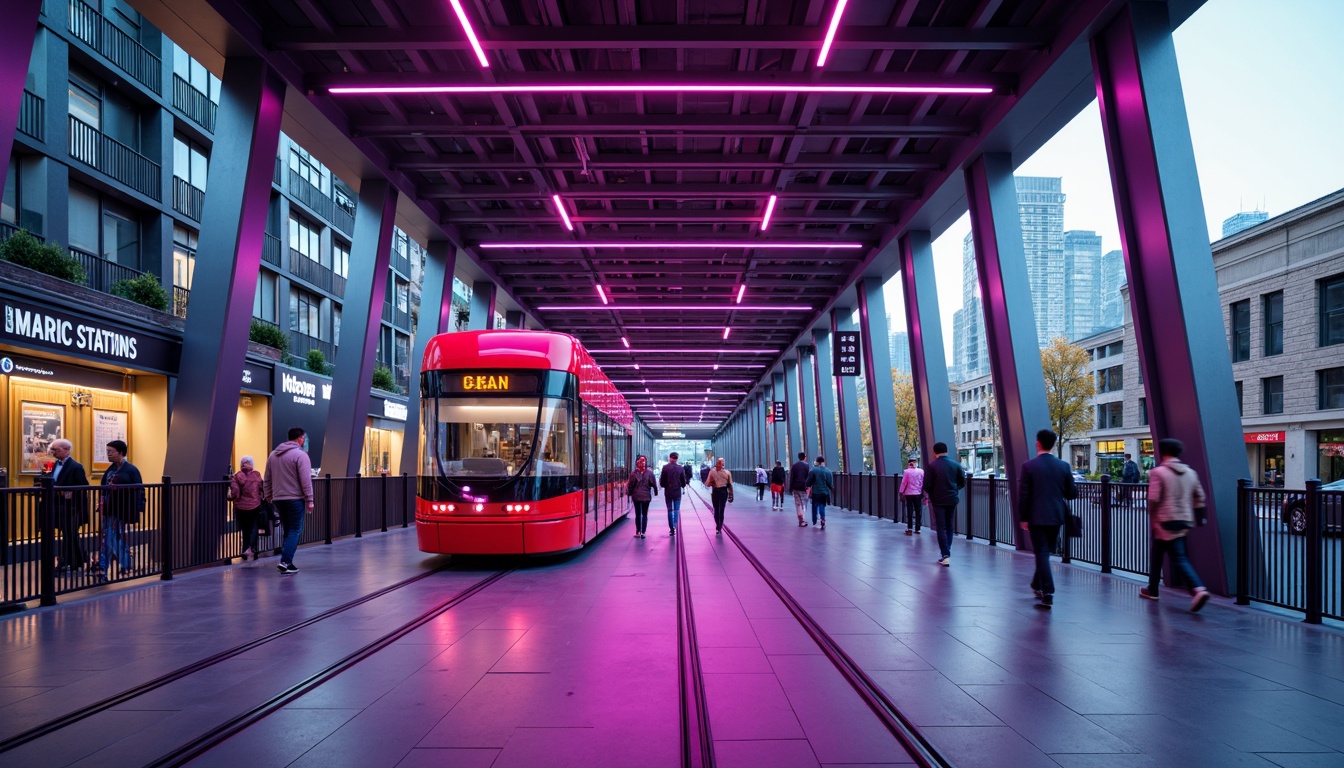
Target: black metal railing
{"x": 8, "y": 230}
{"x": 316, "y": 200}
{"x": 197, "y": 106}
{"x": 101, "y": 274}
{"x": 188, "y": 199}
{"x": 306, "y": 269}
{"x": 338, "y": 285}
{"x": 401, "y": 319}
{"x": 401, "y": 263}
{"x": 342, "y": 219}
{"x": 32, "y": 116}
{"x": 387, "y": 312}
{"x": 270, "y": 250}
{"x": 275, "y": 179}
{"x": 100, "y": 34}
{"x": 301, "y": 343}
{"x": 1289, "y": 549}
{"x": 97, "y": 150}
{"x": 128, "y": 532}
{"x": 181, "y": 297}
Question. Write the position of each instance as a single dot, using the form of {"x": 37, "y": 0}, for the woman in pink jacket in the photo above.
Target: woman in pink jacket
{"x": 245, "y": 493}
{"x": 912, "y": 491}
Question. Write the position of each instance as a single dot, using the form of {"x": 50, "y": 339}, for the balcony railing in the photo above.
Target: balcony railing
{"x": 195, "y": 105}
{"x": 270, "y": 250}
{"x": 91, "y": 147}
{"x": 387, "y": 312}
{"x": 305, "y": 268}
{"x": 8, "y": 230}
{"x": 301, "y": 343}
{"x": 343, "y": 219}
{"x": 187, "y": 199}
{"x": 181, "y": 296}
{"x": 90, "y": 26}
{"x": 338, "y": 285}
{"x": 32, "y": 116}
{"x": 401, "y": 263}
{"x": 401, "y": 319}
{"x": 276, "y": 178}
{"x": 311, "y": 196}
{"x": 101, "y": 274}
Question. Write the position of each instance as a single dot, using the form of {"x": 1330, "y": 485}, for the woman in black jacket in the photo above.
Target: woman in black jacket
{"x": 641, "y": 487}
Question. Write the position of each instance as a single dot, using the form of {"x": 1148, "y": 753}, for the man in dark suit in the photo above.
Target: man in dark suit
{"x": 1043, "y": 492}
{"x": 72, "y": 507}
{"x": 120, "y": 508}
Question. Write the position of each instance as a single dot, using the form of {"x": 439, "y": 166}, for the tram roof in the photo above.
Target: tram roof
{"x": 663, "y": 129}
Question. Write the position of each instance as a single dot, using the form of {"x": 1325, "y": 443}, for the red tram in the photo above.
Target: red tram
{"x": 524, "y": 445}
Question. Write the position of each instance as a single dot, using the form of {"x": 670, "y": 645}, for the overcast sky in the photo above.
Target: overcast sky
{"x": 1264, "y": 90}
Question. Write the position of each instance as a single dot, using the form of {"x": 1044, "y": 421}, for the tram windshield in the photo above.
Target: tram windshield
{"x": 498, "y": 438}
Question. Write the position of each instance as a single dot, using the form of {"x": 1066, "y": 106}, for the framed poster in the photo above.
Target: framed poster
{"x": 107, "y": 426}
{"x": 41, "y": 424}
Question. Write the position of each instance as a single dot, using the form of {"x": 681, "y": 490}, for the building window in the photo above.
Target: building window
{"x": 184, "y": 256}
{"x": 1143, "y": 411}
{"x": 309, "y": 169}
{"x": 340, "y": 258}
{"x": 1273, "y": 318}
{"x": 9, "y": 203}
{"x": 189, "y": 161}
{"x": 1241, "y": 330}
{"x": 1111, "y": 415}
{"x": 1111, "y": 379}
{"x": 1272, "y": 391}
{"x": 195, "y": 73}
{"x": 304, "y": 313}
{"x": 305, "y": 238}
{"x": 336, "y": 326}
{"x": 1330, "y": 388}
{"x": 403, "y": 296}
{"x": 343, "y": 199}
{"x": 263, "y": 305}
{"x": 1241, "y": 411}
{"x": 1332, "y": 311}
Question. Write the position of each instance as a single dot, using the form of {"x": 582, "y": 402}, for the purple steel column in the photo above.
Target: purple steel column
{"x": 792, "y": 393}
{"x": 928, "y": 362}
{"x": 370, "y": 254}
{"x": 436, "y": 316}
{"x": 825, "y": 382}
{"x": 1010, "y": 325}
{"x": 851, "y": 441}
{"x": 807, "y": 380}
{"x": 781, "y": 430}
{"x": 1178, "y": 322}
{"x": 482, "y": 315}
{"x": 16, "y": 48}
{"x": 233, "y": 225}
{"x": 877, "y": 376}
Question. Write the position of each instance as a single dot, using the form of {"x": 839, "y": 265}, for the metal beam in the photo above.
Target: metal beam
{"x": 807, "y": 380}
{"x": 436, "y": 316}
{"x": 877, "y": 376}
{"x": 547, "y": 219}
{"x": 928, "y": 363}
{"x": 483, "y": 295}
{"x": 573, "y": 82}
{"x": 16, "y": 49}
{"x": 669, "y": 191}
{"x": 471, "y": 163}
{"x": 565, "y": 126}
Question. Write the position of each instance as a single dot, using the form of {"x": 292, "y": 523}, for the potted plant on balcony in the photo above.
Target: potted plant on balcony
{"x": 269, "y": 335}
{"x": 144, "y": 289}
{"x": 48, "y": 258}
{"x": 317, "y": 362}
{"x": 383, "y": 379}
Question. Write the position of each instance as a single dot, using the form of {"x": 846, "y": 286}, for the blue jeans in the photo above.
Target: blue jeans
{"x": 819, "y": 507}
{"x": 641, "y": 516}
{"x": 944, "y": 517}
{"x": 1180, "y": 563}
{"x": 291, "y": 517}
{"x": 673, "y": 512}
{"x": 114, "y": 544}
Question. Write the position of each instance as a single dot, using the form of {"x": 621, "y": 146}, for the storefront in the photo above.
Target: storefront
{"x": 302, "y": 399}
{"x": 252, "y": 433}
{"x": 1111, "y": 458}
{"x": 1330, "y": 456}
{"x": 1265, "y": 454}
{"x": 383, "y": 436}
{"x": 1081, "y": 456}
{"x": 90, "y": 380}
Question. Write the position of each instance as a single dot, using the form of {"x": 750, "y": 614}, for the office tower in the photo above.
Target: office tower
{"x": 1112, "y": 277}
{"x": 1082, "y": 284}
{"x": 899, "y": 346}
{"x": 1244, "y": 220}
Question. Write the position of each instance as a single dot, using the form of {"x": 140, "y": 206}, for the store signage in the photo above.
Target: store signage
{"x": 845, "y": 355}
{"x": 303, "y": 391}
{"x": 778, "y": 411}
{"x": 36, "y": 326}
{"x": 302, "y": 399}
{"x": 257, "y": 378}
{"x": 465, "y": 383}
{"x": 1266, "y": 437}
{"x": 394, "y": 410}
{"x": 674, "y": 434}
{"x": 49, "y": 370}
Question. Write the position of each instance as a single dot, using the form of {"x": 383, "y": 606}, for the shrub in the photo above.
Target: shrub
{"x": 382, "y": 379}
{"x": 48, "y": 258}
{"x": 269, "y": 335}
{"x": 144, "y": 289}
{"x": 317, "y": 362}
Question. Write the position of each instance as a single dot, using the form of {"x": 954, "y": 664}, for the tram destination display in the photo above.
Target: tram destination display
{"x": 845, "y": 355}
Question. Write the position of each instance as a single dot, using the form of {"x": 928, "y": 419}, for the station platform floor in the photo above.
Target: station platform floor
{"x": 573, "y": 660}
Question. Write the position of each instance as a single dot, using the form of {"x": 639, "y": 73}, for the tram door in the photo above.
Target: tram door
{"x": 591, "y": 474}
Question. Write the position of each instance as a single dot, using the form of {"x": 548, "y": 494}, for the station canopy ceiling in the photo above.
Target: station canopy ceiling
{"x": 612, "y": 163}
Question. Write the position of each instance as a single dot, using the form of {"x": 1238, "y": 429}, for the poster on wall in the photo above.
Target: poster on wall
{"x": 42, "y": 424}
{"x": 107, "y": 426}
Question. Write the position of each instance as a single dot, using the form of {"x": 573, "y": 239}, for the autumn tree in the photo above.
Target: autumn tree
{"x": 907, "y": 419}
{"x": 1068, "y": 389}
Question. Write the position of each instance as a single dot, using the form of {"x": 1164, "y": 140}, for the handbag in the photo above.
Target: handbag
{"x": 1074, "y": 526}
{"x": 269, "y": 512}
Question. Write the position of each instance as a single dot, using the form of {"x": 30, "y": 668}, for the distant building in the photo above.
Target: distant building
{"x": 1082, "y": 284}
{"x": 1244, "y": 220}
{"x": 899, "y": 346}
{"x": 1112, "y": 278}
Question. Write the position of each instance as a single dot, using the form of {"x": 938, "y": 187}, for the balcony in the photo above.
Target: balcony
{"x": 101, "y": 274}
{"x": 300, "y": 343}
{"x": 402, "y": 319}
{"x": 187, "y": 199}
{"x": 91, "y": 147}
{"x": 195, "y": 105}
{"x": 8, "y": 230}
{"x": 180, "y": 298}
{"x": 387, "y": 312}
{"x": 270, "y": 250}
{"x": 311, "y": 196}
{"x": 401, "y": 263}
{"x": 32, "y": 116}
{"x": 310, "y": 271}
{"x": 343, "y": 219}
{"x": 276, "y": 178}
{"x": 89, "y": 26}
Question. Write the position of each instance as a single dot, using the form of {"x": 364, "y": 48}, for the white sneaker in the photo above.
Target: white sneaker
{"x": 1200, "y": 597}
{"x": 945, "y": 561}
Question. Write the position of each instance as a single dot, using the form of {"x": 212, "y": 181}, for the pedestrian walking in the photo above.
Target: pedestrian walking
{"x": 778, "y": 476}
{"x": 289, "y": 486}
{"x": 820, "y": 482}
{"x": 245, "y": 493}
{"x": 673, "y": 478}
{"x": 120, "y": 508}
{"x": 1175, "y": 505}
{"x": 943, "y": 481}
{"x": 720, "y": 483}
{"x": 641, "y": 488}
{"x": 798, "y": 486}
{"x": 72, "y": 507}
{"x": 690, "y": 473}
{"x": 1129, "y": 475}
{"x": 912, "y": 493}
{"x": 762, "y": 479}
{"x": 1043, "y": 493}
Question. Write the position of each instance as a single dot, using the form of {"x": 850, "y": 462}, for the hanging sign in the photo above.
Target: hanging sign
{"x": 778, "y": 411}
{"x": 845, "y": 355}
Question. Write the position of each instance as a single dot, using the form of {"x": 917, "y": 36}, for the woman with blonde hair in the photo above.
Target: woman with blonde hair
{"x": 245, "y": 493}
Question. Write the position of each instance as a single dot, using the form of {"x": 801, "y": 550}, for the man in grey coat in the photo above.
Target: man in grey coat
{"x": 289, "y": 485}
{"x": 1043, "y": 492}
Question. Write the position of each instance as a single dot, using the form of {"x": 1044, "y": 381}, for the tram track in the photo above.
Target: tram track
{"x": 901, "y": 727}
{"x": 697, "y": 745}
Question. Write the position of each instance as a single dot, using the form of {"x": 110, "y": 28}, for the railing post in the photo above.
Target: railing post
{"x": 359, "y": 506}
{"x": 47, "y": 544}
{"x": 407, "y": 502}
{"x": 166, "y": 529}
{"x": 872, "y": 492}
{"x": 1315, "y": 543}
{"x": 385, "y": 484}
{"x": 326, "y": 507}
{"x": 1243, "y": 541}
{"x": 993, "y": 510}
{"x": 970, "y": 499}
{"x": 1106, "y": 557}
{"x": 881, "y": 496}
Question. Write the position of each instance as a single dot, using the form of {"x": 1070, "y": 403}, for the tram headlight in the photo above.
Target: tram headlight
{"x": 527, "y": 507}
{"x": 452, "y": 507}
{"x": 480, "y": 507}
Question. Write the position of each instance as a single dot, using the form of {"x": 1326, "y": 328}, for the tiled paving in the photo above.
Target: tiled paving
{"x": 573, "y": 660}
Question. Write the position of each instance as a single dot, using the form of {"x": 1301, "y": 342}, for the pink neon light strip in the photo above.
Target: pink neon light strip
{"x": 564, "y": 215}
{"x": 684, "y": 365}
{"x": 602, "y": 294}
{"x": 830, "y": 32}
{"x": 683, "y": 381}
{"x": 571, "y": 88}
{"x": 679, "y": 307}
{"x": 725, "y": 332}
{"x": 687, "y": 351}
{"x": 626, "y": 342}
{"x": 771, "y": 244}
{"x": 769, "y": 209}
{"x": 740, "y": 292}
{"x": 471, "y": 32}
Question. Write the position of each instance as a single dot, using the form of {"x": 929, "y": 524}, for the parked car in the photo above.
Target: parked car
{"x": 1332, "y": 510}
